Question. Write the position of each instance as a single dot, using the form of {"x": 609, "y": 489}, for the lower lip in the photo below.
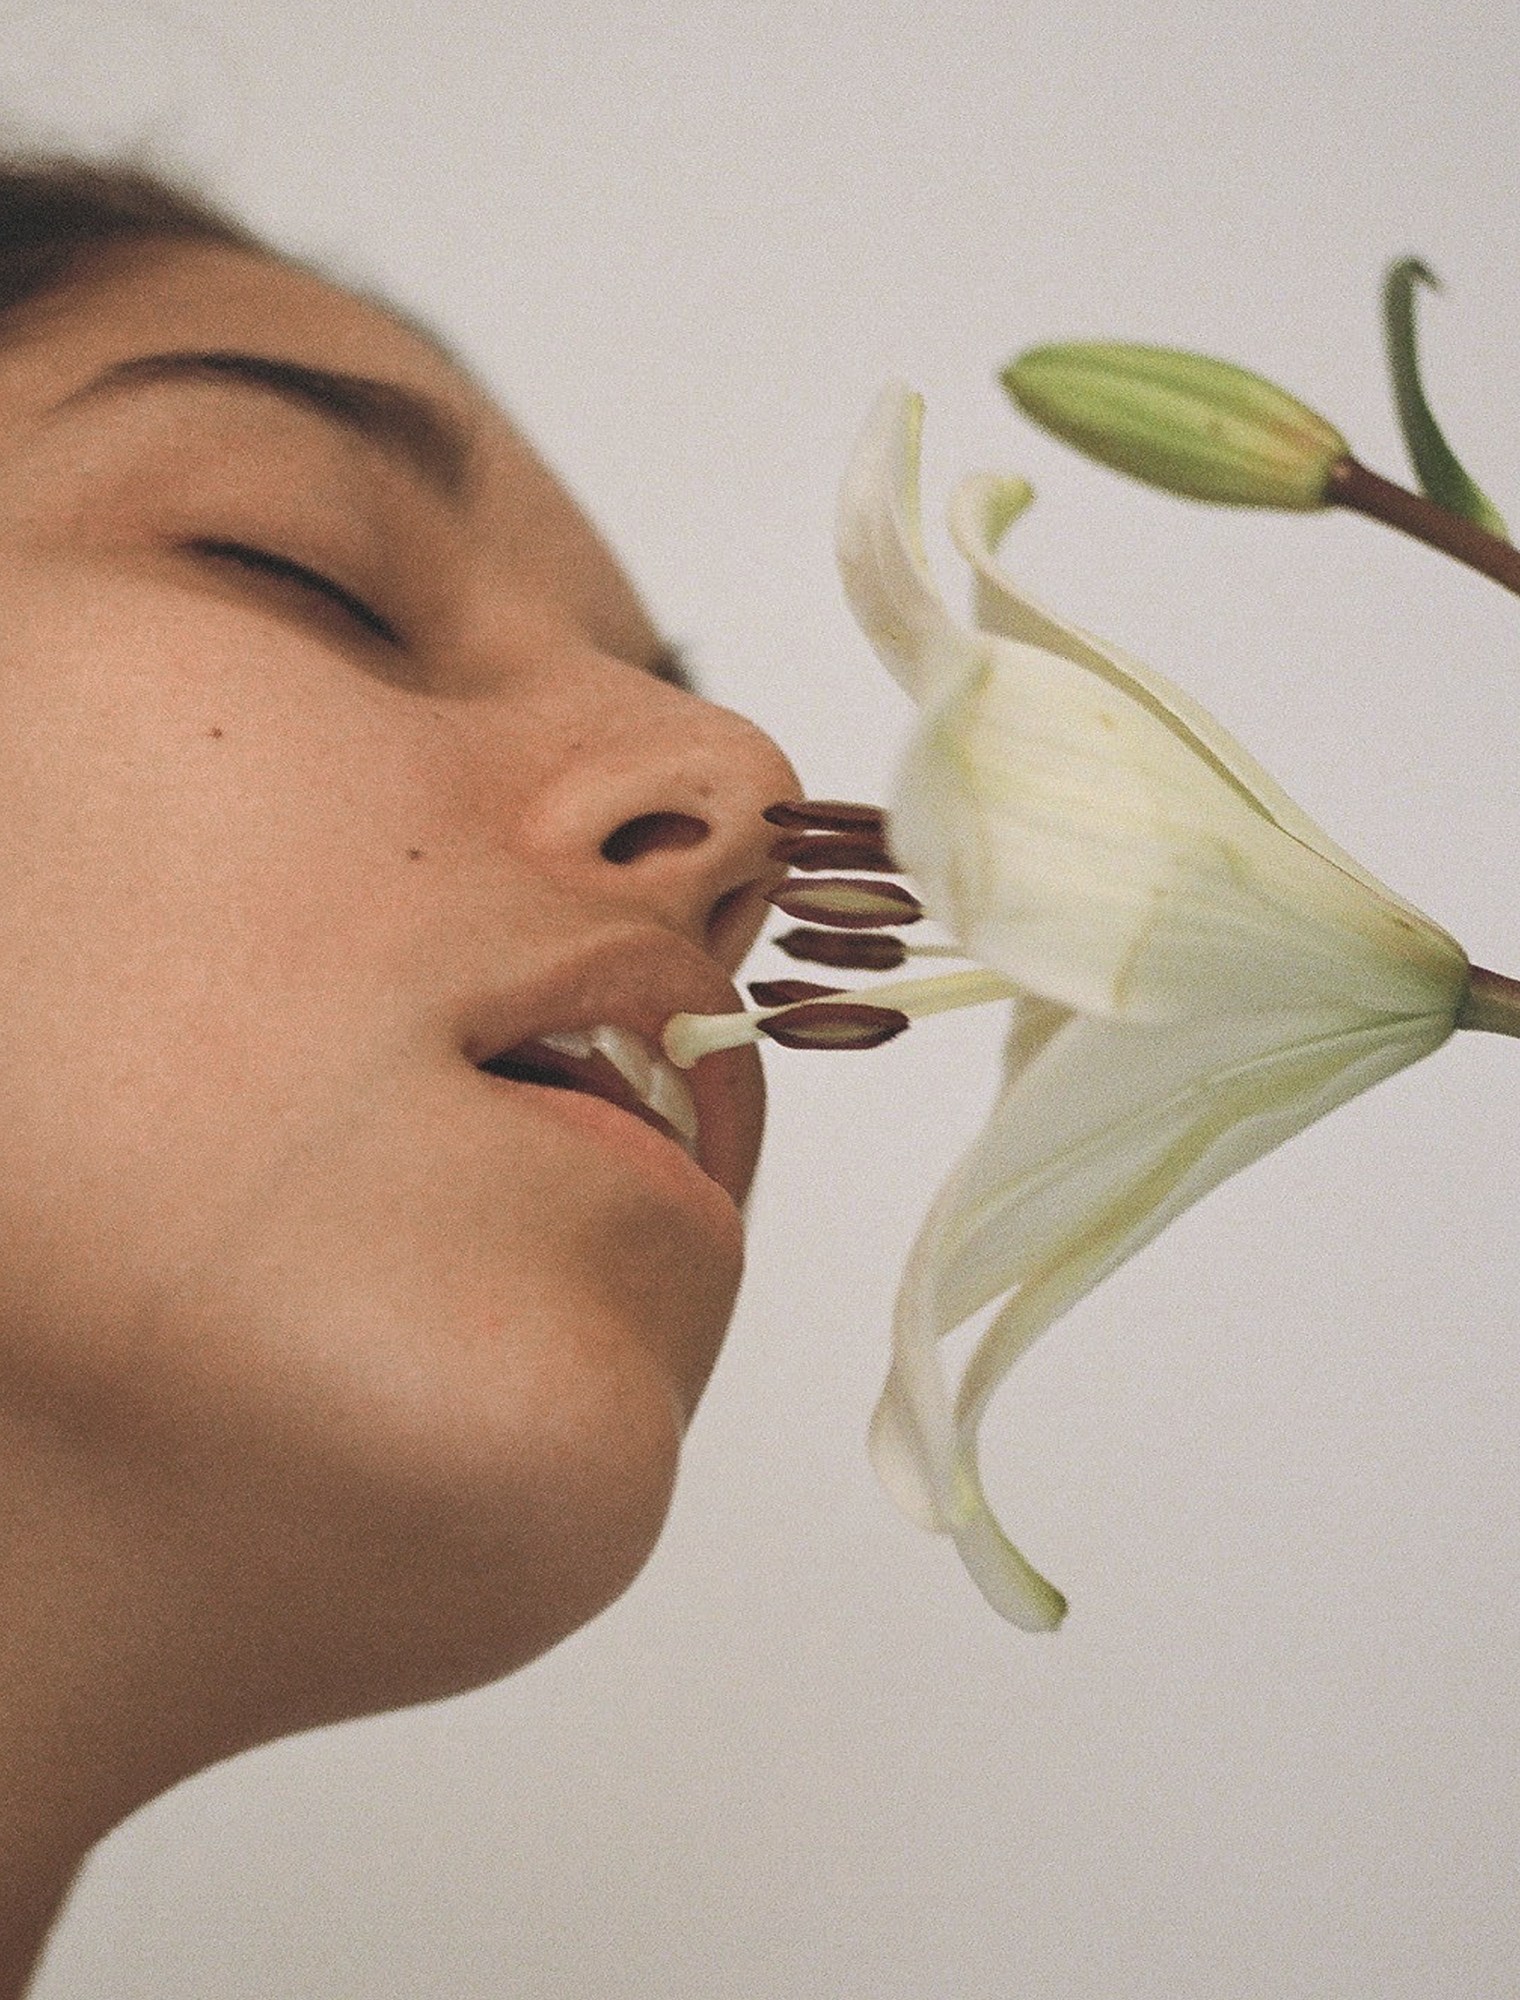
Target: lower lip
{"x": 660, "y": 1159}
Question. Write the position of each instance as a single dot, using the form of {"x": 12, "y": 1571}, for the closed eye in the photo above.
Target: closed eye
{"x": 264, "y": 562}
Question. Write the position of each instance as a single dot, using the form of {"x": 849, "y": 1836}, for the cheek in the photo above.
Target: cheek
{"x": 435, "y": 1407}
{"x": 371, "y": 1349}
{"x": 175, "y": 917}
{"x": 205, "y": 901}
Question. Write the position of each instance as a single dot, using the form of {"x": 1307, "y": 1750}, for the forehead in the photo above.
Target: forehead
{"x": 208, "y": 298}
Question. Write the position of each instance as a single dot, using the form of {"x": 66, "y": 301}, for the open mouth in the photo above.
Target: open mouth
{"x": 611, "y": 1063}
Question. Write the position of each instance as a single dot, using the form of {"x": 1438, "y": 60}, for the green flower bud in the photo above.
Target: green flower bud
{"x": 1180, "y": 421}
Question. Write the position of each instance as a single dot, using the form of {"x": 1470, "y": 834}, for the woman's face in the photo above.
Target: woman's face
{"x": 332, "y": 1318}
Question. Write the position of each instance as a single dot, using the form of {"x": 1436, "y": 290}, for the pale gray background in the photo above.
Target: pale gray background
{"x": 1274, "y": 1460}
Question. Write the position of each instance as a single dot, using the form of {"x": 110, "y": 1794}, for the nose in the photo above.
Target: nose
{"x": 658, "y": 806}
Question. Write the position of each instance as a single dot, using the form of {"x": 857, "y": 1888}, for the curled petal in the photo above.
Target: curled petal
{"x": 1102, "y": 1136}
{"x": 880, "y": 550}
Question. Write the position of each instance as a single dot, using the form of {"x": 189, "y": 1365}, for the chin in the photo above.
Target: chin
{"x": 477, "y": 1524}
{"x": 567, "y": 1541}
{"x": 424, "y": 1453}
{"x": 435, "y": 1569}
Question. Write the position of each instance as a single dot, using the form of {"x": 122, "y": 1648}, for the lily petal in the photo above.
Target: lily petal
{"x": 1077, "y": 823}
{"x": 879, "y": 545}
{"x": 1068, "y": 839}
{"x": 1200, "y": 972}
{"x": 982, "y": 510}
{"x": 1102, "y": 1135}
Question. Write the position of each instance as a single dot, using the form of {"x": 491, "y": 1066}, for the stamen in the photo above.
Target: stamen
{"x": 686, "y": 1038}
{"x": 859, "y": 950}
{"x": 848, "y": 905}
{"x": 834, "y": 1024}
{"x": 826, "y": 816}
{"x": 835, "y": 850}
{"x": 944, "y": 992}
{"x": 787, "y": 992}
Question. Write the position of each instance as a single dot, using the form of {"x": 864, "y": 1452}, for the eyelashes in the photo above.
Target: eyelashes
{"x": 264, "y": 562}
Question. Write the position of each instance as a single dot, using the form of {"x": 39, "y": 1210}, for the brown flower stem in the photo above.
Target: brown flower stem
{"x": 1492, "y": 1003}
{"x": 1352, "y": 485}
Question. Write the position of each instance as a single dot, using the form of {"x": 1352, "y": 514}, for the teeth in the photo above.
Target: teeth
{"x": 670, "y": 1098}
{"x": 630, "y": 1057}
{"x": 571, "y": 1043}
{"x": 657, "y": 1083}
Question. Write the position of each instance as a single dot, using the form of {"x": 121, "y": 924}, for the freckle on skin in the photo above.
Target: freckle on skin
{"x": 414, "y": 854}
{"x": 213, "y": 732}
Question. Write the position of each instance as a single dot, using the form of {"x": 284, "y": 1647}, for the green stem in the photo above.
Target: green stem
{"x": 1352, "y": 485}
{"x": 1492, "y": 1003}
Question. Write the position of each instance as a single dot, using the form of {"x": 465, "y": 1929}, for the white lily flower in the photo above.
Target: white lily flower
{"x": 1198, "y": 971}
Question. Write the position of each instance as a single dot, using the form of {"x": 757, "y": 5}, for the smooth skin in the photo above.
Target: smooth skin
{"x": 335, "y": 1374}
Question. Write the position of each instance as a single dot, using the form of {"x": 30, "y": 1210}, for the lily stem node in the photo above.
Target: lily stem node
{"x": 1492, "y": 1004}
{"x": 1352, "y": 485}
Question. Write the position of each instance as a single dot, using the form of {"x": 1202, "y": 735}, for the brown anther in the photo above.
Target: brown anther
{"x": 826, "y": 816}
{"x": 847, "y": 905}
{"x": 787, "y": 992}
{"x": 863, "y": 951}
{"x": 834, "y": 850}
{"x": 834, "y": 1024}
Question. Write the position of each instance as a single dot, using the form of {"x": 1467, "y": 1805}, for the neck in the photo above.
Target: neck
{"x": 99, "y": 1708}
{"x": 40, "y": 1856}
{"x": 33, "y": 1899}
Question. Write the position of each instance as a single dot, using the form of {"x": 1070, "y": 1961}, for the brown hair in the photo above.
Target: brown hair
{"x": 59, "y": 216}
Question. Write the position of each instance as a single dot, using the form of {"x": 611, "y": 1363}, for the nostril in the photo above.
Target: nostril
{"x": 653, "y": 833}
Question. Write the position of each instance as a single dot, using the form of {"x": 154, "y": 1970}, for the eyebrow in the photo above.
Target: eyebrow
{"x": 406, "y": 426}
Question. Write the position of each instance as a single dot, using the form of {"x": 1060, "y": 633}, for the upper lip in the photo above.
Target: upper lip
{"x": 636, "y": 979}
